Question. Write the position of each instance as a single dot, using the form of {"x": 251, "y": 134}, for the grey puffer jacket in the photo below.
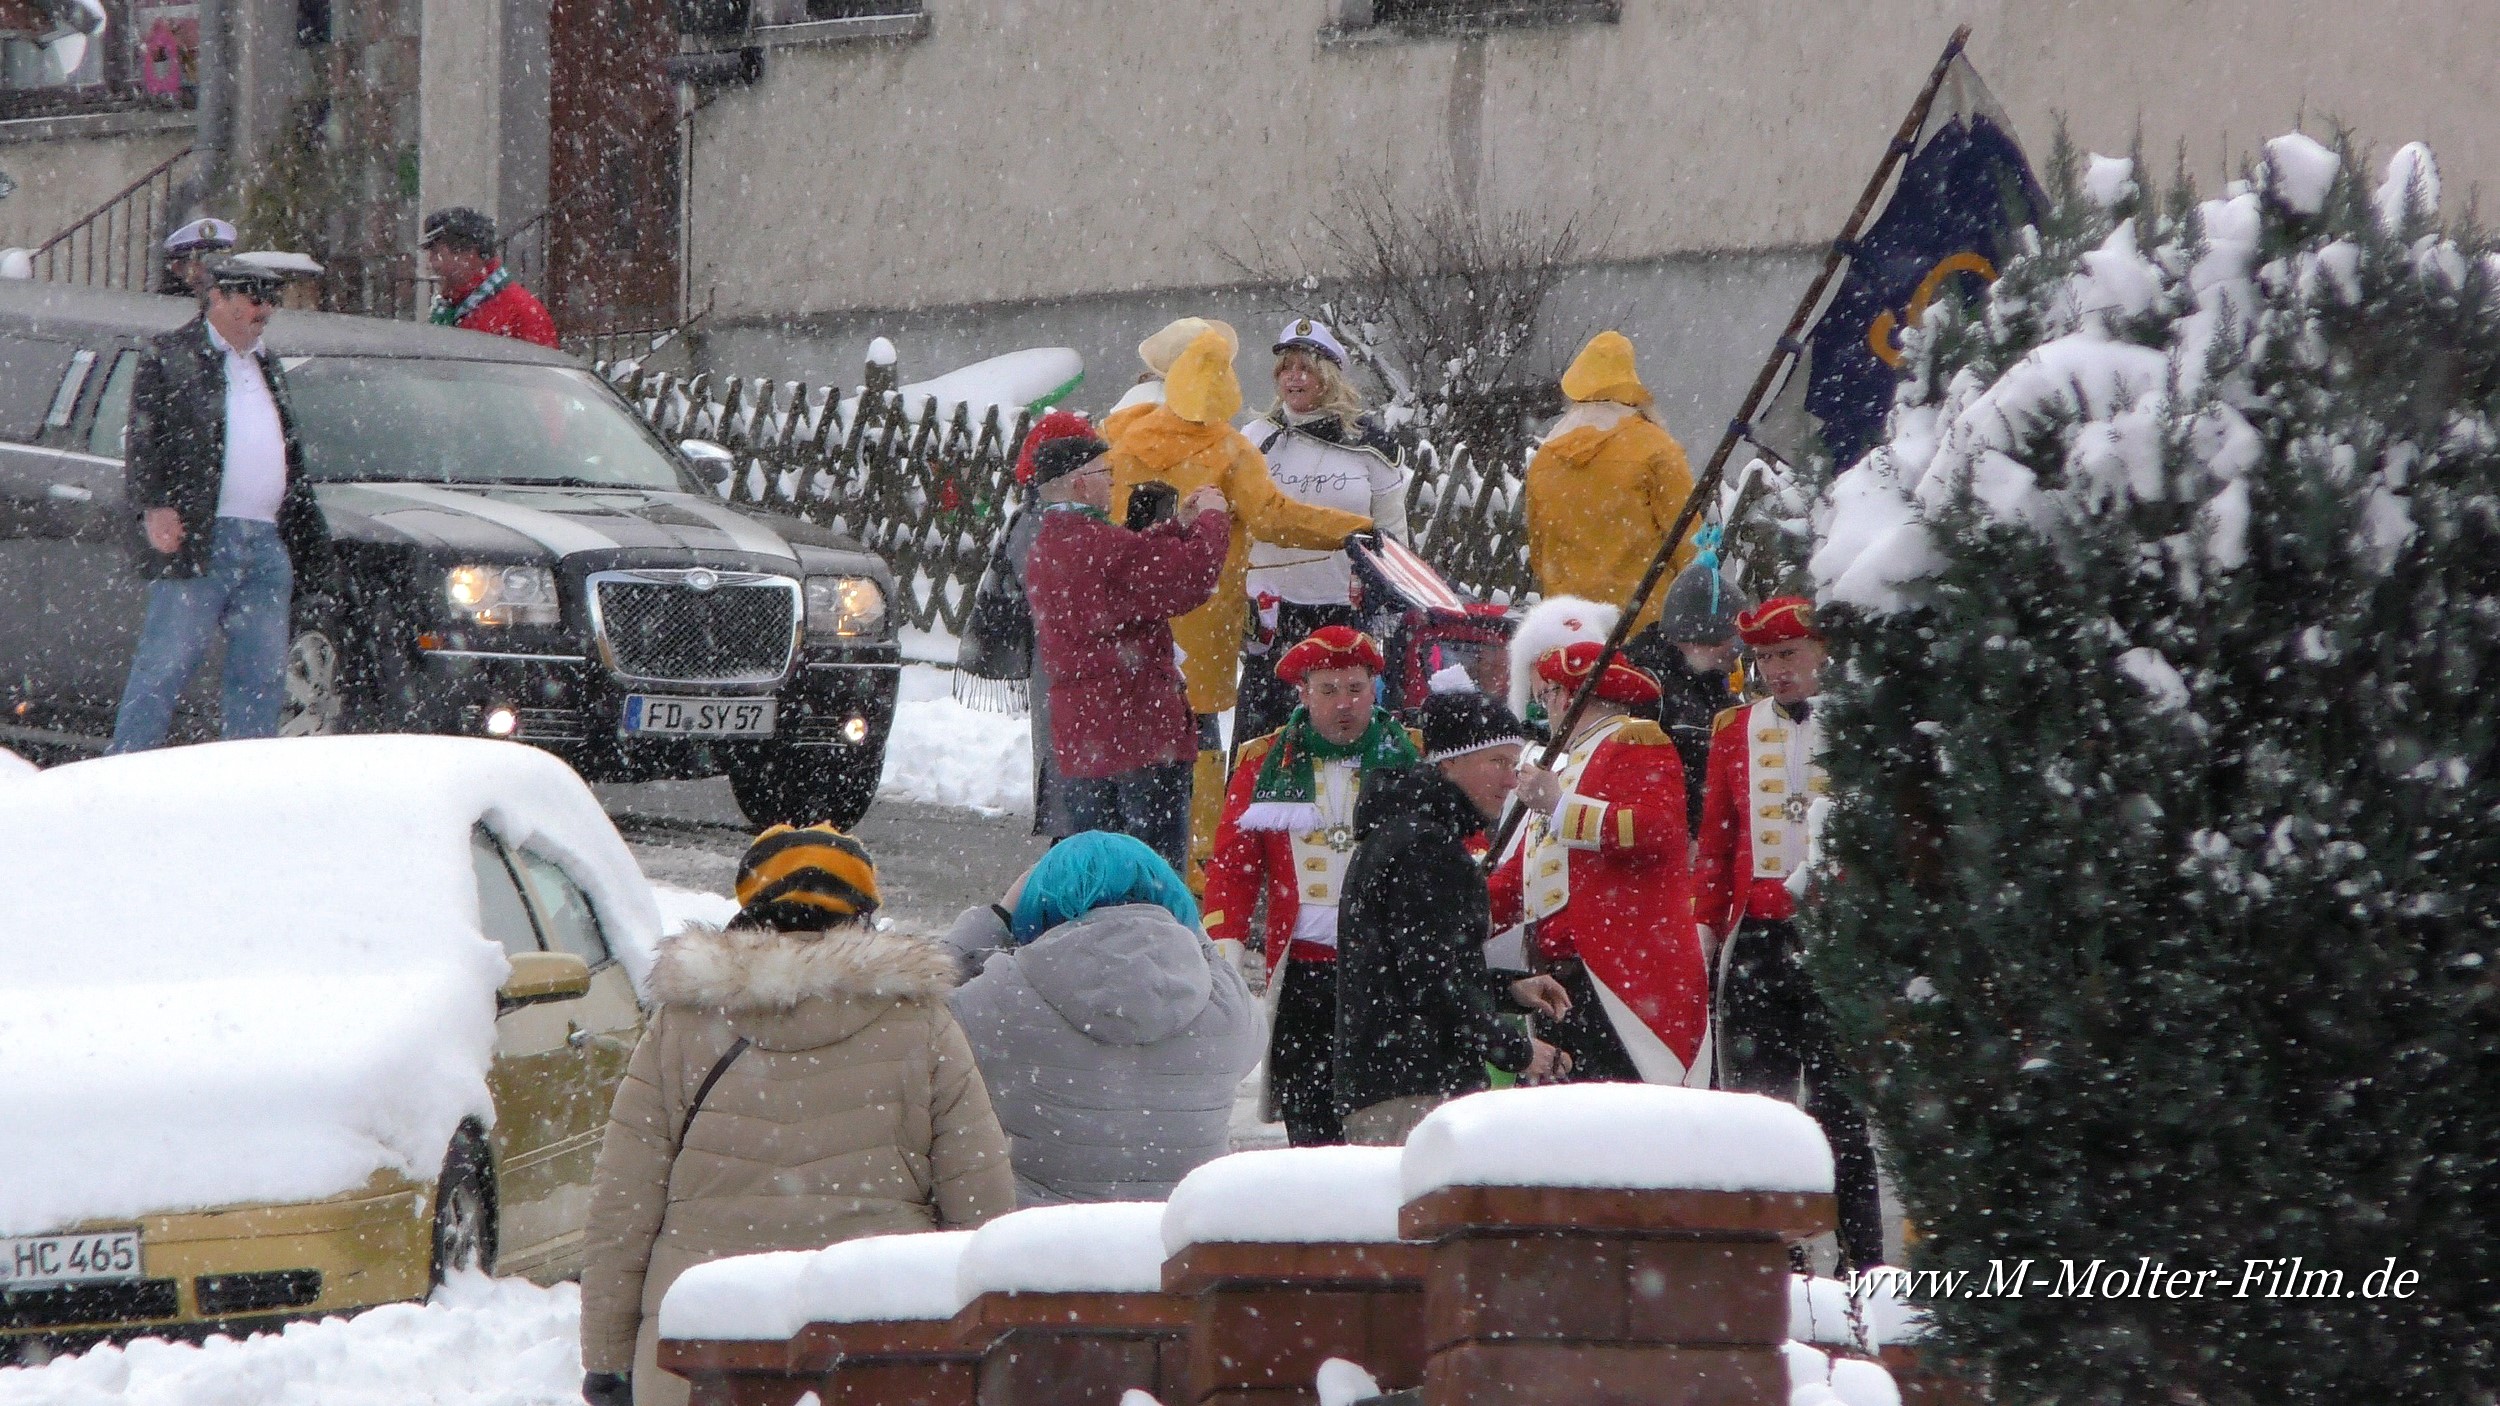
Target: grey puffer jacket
{"x": 1112, "y": 1047}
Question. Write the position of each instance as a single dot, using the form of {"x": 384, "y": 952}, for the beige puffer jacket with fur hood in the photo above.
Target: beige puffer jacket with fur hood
{"x": 856, "y": 1110}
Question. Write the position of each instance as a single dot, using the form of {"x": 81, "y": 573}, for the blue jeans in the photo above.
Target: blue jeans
{"x": 247, "y": 592}
{"x": 1151, "y": 803}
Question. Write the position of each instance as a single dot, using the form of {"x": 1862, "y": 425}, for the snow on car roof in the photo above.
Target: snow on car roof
{"x": 253, "y": 971}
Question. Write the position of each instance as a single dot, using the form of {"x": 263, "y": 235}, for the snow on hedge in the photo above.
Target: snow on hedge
{"x": 1299, "y": 1195}
{"x": 1640, "y": 1136}
{"x": 2120, "y": 404}
{"x": 253, "y": 971}
{"x": 1110, "y": 1247}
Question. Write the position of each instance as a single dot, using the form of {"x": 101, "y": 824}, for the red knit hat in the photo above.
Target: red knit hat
{"x": 1330, "y": 647}
{"x": 1625, "y": 682}
{"x": 1058, "y": 424}
{"x": 1777, "y": 621}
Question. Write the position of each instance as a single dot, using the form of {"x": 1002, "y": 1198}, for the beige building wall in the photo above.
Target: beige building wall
{"x": 66, "y": 168}
{"x": 1039, "y": 149}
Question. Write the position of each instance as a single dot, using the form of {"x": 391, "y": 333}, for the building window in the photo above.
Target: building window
{"x": 782, "y": 22}
{"x": 63, "y": 57}
{"x": 1472, "y": 16}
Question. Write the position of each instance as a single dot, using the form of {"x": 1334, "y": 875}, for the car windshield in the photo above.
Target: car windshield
{"x": 396, "y": 419}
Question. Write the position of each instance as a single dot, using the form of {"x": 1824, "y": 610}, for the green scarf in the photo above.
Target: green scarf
{"x": 1286, "y": 777}
{"x": 448, "y": 313}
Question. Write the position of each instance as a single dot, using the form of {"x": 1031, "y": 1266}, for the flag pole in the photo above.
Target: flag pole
{"x": 1785, "y": 350}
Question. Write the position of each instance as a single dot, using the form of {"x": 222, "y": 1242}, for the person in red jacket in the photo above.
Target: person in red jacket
{"x": 1774, "y": 1034}
{"x": 1121, "y": 734}
{"x": 473, "y": 290}
{"x": 1286, "y": 835}
{"x": 1600, "y": 872}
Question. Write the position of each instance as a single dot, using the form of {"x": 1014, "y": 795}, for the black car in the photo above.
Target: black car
{"x": 519, "y": 556}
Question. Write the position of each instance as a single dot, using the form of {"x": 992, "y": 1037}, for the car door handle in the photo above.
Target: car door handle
{"x": 69, "y": 493}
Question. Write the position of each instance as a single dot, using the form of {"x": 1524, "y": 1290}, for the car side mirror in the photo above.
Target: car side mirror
{"x": 711, "y": 462}
{"x": 543, "y": 976}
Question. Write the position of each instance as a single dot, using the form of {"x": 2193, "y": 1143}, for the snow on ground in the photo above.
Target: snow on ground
{"x": 480, "y": 1342}
{"x": 944, "y": 753}
{"x": 678, "y": 907}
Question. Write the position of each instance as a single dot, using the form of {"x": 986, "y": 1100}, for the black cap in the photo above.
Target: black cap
{"x": 1062, "y": 457}
{"x": 1457, "y": 723}
{"x": 458, "y": 225}
{"x": 1701, "y": 608}
{"x": 235, "y": 275}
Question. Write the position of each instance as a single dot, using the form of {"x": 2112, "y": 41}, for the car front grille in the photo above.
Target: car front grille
{"x": 69, "y": 1305}
{"x": 257, "y": 1292}
{"x": 654, "y": 625}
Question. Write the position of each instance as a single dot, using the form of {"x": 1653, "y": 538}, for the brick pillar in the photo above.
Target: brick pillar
{"x": 1583, "y": 1297}
{"x": 734, "y": 1373}
{"x": 1266, "y": 1316}
{"x": 885, "y": 1364}
{"x": 1075, "y": 1349}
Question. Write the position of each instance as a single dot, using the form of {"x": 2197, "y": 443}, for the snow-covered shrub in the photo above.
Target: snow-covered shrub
{"x": 2163, "y": 872}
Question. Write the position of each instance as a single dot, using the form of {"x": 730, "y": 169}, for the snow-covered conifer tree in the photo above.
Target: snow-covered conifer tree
{"x": 2165, "y": 864}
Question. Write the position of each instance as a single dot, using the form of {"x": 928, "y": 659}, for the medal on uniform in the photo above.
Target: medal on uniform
{"x": 1794, "y": 808}
{"x": 1338, "y": 837}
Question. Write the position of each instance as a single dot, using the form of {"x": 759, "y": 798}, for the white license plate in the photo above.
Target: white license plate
{"x": 33, "y": 1260}
{"x": 654, "y": 716}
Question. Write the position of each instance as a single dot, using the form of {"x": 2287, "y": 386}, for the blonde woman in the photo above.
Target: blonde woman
{"x": 1321, "y": 447}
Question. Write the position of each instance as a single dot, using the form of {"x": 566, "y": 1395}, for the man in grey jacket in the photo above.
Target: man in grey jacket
{"x": 1114, "y": 1037}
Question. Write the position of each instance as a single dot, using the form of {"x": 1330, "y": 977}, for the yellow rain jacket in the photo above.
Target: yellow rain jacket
{"x": 1605, "y": 486}
{"x": 1189, "y": 442}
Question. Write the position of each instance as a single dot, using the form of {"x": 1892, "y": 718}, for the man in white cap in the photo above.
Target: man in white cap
{"x": 186, "y": 255}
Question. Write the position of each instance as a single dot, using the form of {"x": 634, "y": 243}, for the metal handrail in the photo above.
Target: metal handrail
{"x": 133, "y": 239}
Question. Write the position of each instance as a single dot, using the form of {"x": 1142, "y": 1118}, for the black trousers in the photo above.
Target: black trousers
{"x": 1302, "y": 1054}
{"x": 1775, "y": 1038}
{"x": 1265, "y": 702}
{"x": 1597, "y": 1052}
{"x": 1151, "y": 803}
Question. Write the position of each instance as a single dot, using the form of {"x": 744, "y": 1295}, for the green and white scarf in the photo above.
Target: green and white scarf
{"x": 1286, "y": 794}
{"x": 448, "y": 313}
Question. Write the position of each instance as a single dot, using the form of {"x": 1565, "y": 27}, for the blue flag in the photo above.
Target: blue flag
{"x": 1945, "y": 229}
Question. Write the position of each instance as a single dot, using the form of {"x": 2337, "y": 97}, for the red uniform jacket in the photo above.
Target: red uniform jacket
{"x": 1629, "y": 915}
{"x": 1247, "y": 862}
{"x": 1724, "y": 884}
{"x": 515, "y": 312}
{"x": 1101, "y": 598}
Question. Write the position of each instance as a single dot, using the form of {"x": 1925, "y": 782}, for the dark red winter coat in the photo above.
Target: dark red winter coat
{"x": 1103, "y": 597}
{"x": 515, "y": 312}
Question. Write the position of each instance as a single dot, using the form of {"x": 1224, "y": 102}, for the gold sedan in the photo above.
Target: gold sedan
{"x": 511, "y": 1198}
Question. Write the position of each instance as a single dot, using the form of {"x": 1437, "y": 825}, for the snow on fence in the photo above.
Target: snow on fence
{"x": 927, "y": 481}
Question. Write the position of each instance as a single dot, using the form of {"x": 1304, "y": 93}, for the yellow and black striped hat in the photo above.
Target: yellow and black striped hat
{"x": 797, "y": 880}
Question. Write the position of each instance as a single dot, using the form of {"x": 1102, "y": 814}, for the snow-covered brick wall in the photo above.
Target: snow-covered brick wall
{"x": 769, "y": 1297}
{"x": 253, "y": 971}
{"x": 1637, "y": 1136}
{"x": 1113, "y": 1247}
{"x": 1299, "y": 1195}
{"x": 745, "y": 1298}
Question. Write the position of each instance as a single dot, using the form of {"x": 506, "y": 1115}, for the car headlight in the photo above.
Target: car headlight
{"x": 844, "y": 606}
{"x": 502, "y": 595}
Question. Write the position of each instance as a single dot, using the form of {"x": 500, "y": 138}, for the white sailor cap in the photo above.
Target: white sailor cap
{"x": 194, "y": 236}
{"x": 1311, "y": 335}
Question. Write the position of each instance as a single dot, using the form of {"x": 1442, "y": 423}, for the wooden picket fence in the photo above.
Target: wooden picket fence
{"x": 929, "y": 489}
